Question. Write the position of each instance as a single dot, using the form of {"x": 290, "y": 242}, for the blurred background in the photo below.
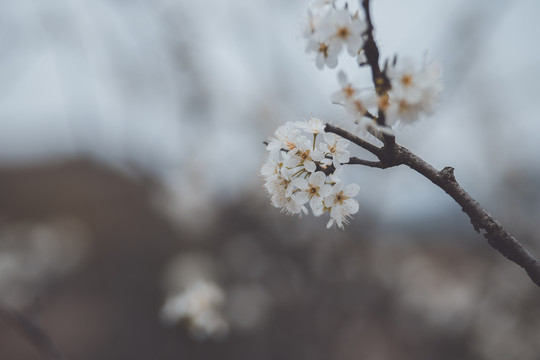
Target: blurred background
{"x": 134, "y": 225}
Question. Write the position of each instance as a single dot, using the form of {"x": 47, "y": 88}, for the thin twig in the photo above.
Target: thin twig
{"x": 33, "y": 333}
{"x": 496, "y": 235}
{"x": 353, "y": 138}
{"x": 380, "y": 80}
{"x": 356, "y": 161}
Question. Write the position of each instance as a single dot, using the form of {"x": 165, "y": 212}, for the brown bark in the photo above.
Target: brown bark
{"x": 481, "y": 220}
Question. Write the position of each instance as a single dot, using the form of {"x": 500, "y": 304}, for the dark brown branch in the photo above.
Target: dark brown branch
{"x": 481, "y": 220}
{"x": 356, "y": 161}
{"x": 353, "y": 138}
{"x": 380, "y": 80}
{"x": 33, "y": 333}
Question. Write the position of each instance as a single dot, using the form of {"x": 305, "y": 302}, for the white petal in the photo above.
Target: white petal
{"x": 291, "y": 161}
{"x": 343, "y": 156}
{"x": 325, "y": 191}
{"x": 324, "y": 147}
{"x": 293, "y": 207}
{"x": 339, "y": 184}
{"x": 330, "y": 223}
{"x": 316, "y": 205}
{"x": 317, "y": 178}
{"x": 330, "y": 201}
{"x": 337, "y": 97}
{"x": 351, "y": 190}
{"x": 350, "y": 206}
{"x": 301, "y": 197}
{"x": 316, "y": 155}
{"x": 300, "y": 183}
{"x": 310, "y": 166}
{"x": 332, "y": 61}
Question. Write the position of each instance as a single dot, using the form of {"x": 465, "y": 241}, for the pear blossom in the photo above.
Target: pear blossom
{"x": 304, "y": 168}
{"x": 357, "y": 105}
{"x": 201, "y": 305}
{"x": 347, "y": 92}
{"x": 314, "y": 190}
{"x": 414, "y": 91}
{"x": 278, "y": 186}
{"x": 346, "y": 30}
{"x": 272, "y": 165}
{"x": 336, "y": 146}
{"x": 294, "y": 207}
{"x": 312, "y": 126}
{"x": 293, "y": 175}
{"x": 340, "y": 214}
{"x": 305, "y": 156}
{"x": 286, "y": 137}
{"x": 329, "y": 30}
{"x": 341, "y": 204}
{"x": 326, "y": 53}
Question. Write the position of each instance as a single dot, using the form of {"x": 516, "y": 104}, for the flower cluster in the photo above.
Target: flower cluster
{"x": 297, "y": 172}
{"x": 200, "y": 304}
{"x": 414, "y": 91}
{"x": 356, "y": 104}
{"x": 331, "y": 29}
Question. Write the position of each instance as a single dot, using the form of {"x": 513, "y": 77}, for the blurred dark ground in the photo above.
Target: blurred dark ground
{"x": 366, "y": 293}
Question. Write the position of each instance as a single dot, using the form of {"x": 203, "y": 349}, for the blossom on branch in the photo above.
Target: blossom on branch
{"x": 304, "y": 161}
{"x": 314, "y": 190}
{"x": 330, "y": 29}
{"x": 312, "y": 126}
{"x": 341, "y": 204}
{"x": 336, "y": 146}
{"x": 414, "y": 91}
{"x": 297, "y": 173}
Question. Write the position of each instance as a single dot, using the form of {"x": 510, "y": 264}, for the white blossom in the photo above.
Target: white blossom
{"x": 347, "y": 92}
{"x": 305, "y": 169}
{"x": 336, "y": 146}
{"x": 346, "y": 30}
{"x": 414, "y": 91}
{"x": 200, "y": 303}
{"x": 305, "y": 156}
{"x": 329, "y": 30}
{"x": 293, "y": 176}
{"x": 314, "y": 190}
{"x": 286, "y": 138}
{"x": 326, "y": 53}
{"x": 341, "y": 204}
{"x": 278, "y": 186}
{"x": 357, "y": 105}
{"x": 272, "y": 165}
{"x": 312, "y": 126}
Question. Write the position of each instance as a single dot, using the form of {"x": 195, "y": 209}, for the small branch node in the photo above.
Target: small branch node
{"x": 447, "y": 174}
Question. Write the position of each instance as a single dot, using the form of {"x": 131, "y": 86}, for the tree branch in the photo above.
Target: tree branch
{"x": 481, "y": 220}
{"x": 380, "y": 80}
{"x": 33, "y": 333}
{"x": 353, "y": 138}
{"x": 356, "y": 161}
